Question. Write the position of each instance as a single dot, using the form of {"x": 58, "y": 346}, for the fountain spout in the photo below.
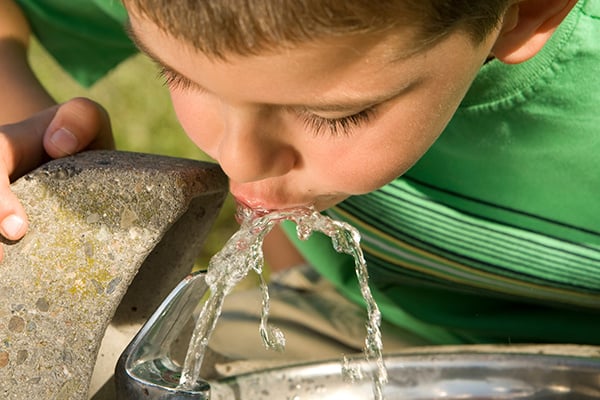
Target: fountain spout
{"x": 148, "y": 368}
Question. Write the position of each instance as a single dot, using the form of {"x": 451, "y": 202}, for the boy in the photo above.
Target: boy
{"x": 489, "y": 233}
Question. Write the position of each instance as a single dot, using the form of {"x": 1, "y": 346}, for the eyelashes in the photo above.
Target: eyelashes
{"x": 343, "y": 126}
{"x": 173, "y": 80}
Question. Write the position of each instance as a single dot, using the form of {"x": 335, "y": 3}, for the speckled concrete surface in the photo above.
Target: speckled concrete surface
{"x": 95, "y": 220}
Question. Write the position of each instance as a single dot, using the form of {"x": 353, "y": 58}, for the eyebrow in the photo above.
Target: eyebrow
{"x": 351, "y": 105}
{"x": 359, "y": 104}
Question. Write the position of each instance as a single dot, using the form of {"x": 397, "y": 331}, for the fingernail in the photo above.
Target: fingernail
{"x": 11, "y": 226}
{"x": 64, "y": 140}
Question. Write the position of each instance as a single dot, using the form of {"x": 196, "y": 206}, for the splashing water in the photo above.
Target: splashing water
{"x": 243, "y": 252}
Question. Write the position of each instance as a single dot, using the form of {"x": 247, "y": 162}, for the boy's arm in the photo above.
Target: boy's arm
{"x": 45, "y": 130}
{"x": 21, "y": 94}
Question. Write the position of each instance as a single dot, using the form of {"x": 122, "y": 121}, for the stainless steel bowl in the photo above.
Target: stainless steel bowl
{"x": 148, "y": 370}
{"x": 427, "y": 377}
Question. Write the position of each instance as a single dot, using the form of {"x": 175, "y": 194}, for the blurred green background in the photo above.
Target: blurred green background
{"x": 142, "y": 117}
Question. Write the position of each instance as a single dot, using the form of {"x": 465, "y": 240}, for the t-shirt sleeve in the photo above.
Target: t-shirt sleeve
{"x": 87, "y": 38}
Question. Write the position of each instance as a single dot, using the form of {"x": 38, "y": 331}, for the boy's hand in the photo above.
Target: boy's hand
{"x": 58, "y": 131}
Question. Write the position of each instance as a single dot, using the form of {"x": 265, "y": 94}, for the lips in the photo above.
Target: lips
{"x": 266, "y": 201}
{"x": 261, "y": 197}
{"x": 270, "y": 195}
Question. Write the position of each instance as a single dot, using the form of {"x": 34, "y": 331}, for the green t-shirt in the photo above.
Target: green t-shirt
{"x": 494, "y": 235}
{"x": 86, "y": 37}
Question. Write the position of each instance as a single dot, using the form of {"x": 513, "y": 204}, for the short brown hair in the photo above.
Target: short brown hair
{"x": 244, "y": 27}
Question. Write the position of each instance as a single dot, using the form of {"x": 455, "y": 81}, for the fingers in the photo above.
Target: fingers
{"x": 13, "y": 220}
{"x": 55, "y": 132}
{"x": 58, "y": 131}
{"x": 78, "y": 124}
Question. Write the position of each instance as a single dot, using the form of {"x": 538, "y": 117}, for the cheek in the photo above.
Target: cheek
{"x": 415, "y": 126}
{"x": 198, "y": 119}
{"x": 356, "y": 167}
{"x": 386, "y": 150}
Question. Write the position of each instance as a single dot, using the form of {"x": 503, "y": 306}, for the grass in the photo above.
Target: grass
{"x": 142, "y": 117}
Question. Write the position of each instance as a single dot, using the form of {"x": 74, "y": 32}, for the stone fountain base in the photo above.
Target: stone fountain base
{"x": 111, "y": 233}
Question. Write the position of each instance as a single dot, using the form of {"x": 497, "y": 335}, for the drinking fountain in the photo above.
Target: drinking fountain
{"x": 111, "y": 233}
{"x": 150, "y": 368}
{"x": 102, "y": 279}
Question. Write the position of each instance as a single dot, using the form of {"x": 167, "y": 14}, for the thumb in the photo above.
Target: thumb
{"x": 13, "y": 220}
{"x": 78, "y": 124}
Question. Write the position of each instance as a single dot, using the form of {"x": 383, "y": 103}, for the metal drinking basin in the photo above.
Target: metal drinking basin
{"x": 429, "y": 376}
{"x": 148, "y": 369}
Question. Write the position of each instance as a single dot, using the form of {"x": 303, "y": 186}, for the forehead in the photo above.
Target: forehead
{"x": 242, "y": 27}
{"x": 333, "y": 68}
{"x": 392, "y": 44}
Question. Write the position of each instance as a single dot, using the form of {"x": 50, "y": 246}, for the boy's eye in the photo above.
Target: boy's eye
{"x": 319, "y": 125}
{"x": 337, "y": 126}
{"x": 173, "y": 80}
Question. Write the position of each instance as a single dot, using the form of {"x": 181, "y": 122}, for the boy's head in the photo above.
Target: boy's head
{"x": 307, "y": 102}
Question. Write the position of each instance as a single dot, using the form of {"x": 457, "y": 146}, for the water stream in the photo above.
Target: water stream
{"x": 243, "y": 253}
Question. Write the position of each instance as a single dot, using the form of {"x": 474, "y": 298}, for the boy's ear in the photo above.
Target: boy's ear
{"x": 527, "y": 26}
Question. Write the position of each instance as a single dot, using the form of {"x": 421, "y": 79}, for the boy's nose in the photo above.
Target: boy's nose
{"x": 252, "y": 149}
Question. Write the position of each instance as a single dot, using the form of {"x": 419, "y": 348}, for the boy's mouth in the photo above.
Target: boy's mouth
{"x": 264, "y": 206}
{"x": 258, "y": 197}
